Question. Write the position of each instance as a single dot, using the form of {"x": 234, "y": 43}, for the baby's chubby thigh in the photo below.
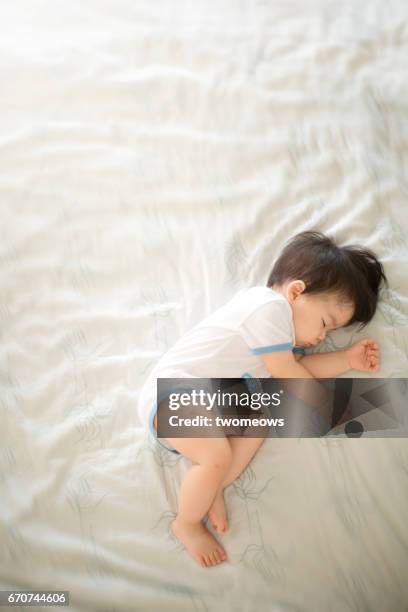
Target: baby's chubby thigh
{"x": 187, "y": 421}
{"x": 238, "y": 417}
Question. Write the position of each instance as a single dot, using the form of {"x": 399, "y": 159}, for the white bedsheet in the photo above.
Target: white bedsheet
{"x": 155, "y": 157}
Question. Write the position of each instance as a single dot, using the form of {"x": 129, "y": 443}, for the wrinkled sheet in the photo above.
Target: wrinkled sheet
{"x": 155, "y": 157}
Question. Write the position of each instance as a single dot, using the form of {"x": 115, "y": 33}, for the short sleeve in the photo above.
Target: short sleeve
{"x": 269, "y": 328}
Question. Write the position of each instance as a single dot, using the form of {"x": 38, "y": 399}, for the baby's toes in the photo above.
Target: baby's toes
{"x": 216, "y": 556}
{"x": 216, "y": 560}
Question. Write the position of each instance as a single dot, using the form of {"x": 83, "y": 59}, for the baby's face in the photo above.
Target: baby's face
{"x": 315, "y": 315}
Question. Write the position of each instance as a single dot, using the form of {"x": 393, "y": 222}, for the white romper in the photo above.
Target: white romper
{"x": 226, "y": 344}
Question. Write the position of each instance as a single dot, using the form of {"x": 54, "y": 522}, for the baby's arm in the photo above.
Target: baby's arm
{"x": 326, "y": 365}
{"x": 363, "y": 355}
{"x": 284, "y": 365}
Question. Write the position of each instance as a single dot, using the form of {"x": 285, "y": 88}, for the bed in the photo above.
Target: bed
{"x": 155, "y": 157}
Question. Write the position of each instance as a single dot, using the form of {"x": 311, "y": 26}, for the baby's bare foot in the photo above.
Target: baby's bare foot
{"x": 199, "y": 542}
{"x": 218, "y": 514}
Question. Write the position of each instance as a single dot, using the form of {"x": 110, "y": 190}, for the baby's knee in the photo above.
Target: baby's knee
{"x": 219, "y": 459}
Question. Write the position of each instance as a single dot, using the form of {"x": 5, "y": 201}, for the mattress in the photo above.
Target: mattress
{"x": 155, "y": 158}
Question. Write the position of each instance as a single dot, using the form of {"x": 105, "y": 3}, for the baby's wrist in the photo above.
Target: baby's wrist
{"x": 346, "y": 357}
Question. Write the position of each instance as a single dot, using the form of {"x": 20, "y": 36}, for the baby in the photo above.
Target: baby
{"x": 315, "y": 287}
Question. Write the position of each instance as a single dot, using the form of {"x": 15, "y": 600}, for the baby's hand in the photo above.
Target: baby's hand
{"x": 364, "y": 355}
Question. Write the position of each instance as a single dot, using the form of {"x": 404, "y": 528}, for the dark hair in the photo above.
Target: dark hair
{"x": 351, "y": 272}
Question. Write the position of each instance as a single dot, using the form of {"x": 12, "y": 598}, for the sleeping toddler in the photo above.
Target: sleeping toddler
{"x": 315, "y": 287}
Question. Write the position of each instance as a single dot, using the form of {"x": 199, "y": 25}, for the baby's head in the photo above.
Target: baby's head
{"x": 327, "y": 286}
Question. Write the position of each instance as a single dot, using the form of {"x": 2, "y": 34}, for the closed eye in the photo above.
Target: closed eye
{"x": 324, "y": 324}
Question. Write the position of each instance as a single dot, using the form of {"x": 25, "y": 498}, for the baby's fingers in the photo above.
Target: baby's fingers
{"x": 370, "y": 343}
{"x": 374, "y": 362}
{"x": 373, "y": 345}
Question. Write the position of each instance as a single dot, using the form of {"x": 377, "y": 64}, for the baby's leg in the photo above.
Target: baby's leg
{"x": 243, "y": 450}
{"x": 211, "y": 458}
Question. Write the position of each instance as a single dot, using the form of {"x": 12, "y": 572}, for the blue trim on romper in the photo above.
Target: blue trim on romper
{"x": 154, "y": 432}
{"x": 278, "y": 347}
{"x": 272, "y": 348}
